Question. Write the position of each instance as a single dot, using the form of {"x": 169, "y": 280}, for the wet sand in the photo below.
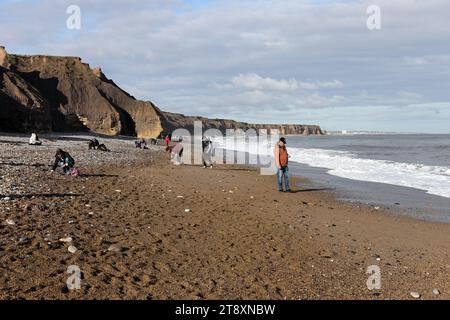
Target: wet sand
{"x": 145, "y": 229}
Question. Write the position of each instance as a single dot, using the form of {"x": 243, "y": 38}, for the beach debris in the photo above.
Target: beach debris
{"x": 252, "y": 197}
{"x": 10, "y": 222}
{"x": 118, "y": 191}
{"x": 72, "y": 221}
{"x": 187, "y": 210}
{"x": 377, "y": 208}
{"x": 415, "y": 295}
{"x": 72, "y": 249}
{"x": 231, "y": 191}
{"x": 436, "y": 292}
{"x": 180, "y": 197}
{"x": 91, "y": 213}
{"x": 66, "y": 240}
{"x": 6, "y": 198}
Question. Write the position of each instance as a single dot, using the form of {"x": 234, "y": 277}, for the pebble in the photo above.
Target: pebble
{"x": 115, "y": 248}
{"x": 415, "y": 295}
{"x": 436, "y": 292}
{"x": 24, "y": 240}
{"x": 72, "y": 249}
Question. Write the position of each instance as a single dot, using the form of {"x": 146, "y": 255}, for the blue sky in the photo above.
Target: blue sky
{"x": 284, "y": 61}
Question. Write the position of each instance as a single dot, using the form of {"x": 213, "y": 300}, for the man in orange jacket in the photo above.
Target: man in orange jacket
{"x": 282, "y": 164}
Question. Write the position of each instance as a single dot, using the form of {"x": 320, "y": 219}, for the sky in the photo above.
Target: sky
{"x": 260, "y": 61}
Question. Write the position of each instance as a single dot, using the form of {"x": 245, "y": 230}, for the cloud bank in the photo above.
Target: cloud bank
{"x": 291, "y": 61}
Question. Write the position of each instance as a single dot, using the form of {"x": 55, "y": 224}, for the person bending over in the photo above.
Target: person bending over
{"x": 176, "y": 153}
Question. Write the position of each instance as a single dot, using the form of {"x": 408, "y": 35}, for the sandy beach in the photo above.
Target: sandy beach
{"x": 145, "y": 229}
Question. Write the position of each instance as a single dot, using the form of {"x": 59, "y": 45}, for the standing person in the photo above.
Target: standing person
{"x": 282, "y": 164}
{"x": 63, "y": 159}
{"x": 207, "y": 152}
{"x": 168, "y": 139}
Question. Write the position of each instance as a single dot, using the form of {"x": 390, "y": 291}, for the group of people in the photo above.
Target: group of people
{"x": 65, "y": 160}
{"x": 281, "y": 157}
{"x": 176, "y": 152}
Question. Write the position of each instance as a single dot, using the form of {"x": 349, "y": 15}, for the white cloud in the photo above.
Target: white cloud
{"x": 254, "y": 81}
{"x": 284, "y": 60}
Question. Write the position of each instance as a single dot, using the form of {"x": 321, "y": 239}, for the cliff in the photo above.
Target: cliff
{"x": 172, "y": 121}
{"x": 48, "y": 93}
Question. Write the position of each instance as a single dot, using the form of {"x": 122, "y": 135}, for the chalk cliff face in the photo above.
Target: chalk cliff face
{"x": 173, "y": 121}
{"x": 47, "y": 93}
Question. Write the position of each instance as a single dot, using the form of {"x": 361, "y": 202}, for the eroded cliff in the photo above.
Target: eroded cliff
{"x": 48, "y": 93}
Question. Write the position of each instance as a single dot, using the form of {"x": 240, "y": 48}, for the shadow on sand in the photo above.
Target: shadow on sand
{"x": 18, "y": 164}
{"x": 42, "y": 195}
{"x": 97, "y": 175}
{"x": 220, "y": 168}
{"x": 312, "y": 190}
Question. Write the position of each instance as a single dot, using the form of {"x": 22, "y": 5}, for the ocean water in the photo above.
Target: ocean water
{"x": 415, "y": 161}
{"x": 407, "y": 173}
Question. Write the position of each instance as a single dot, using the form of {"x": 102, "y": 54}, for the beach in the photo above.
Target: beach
{"x": 145, "y": 229}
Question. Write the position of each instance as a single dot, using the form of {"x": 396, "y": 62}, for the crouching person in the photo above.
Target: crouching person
{"x": 34, "y": 140}
{"x": 96, "y": 145}
{"x": 64, "y": 160}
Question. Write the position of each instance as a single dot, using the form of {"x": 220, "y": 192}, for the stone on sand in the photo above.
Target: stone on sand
{"x": 72, "y": 249}
{"x": 24, "y": 240}
{"x": 115, "y": 248}
{"x": 415, "y": 295}
{"x": 66, "y": 240}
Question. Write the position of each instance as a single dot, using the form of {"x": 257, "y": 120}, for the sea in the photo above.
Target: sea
{"x": 407, "y": 174}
